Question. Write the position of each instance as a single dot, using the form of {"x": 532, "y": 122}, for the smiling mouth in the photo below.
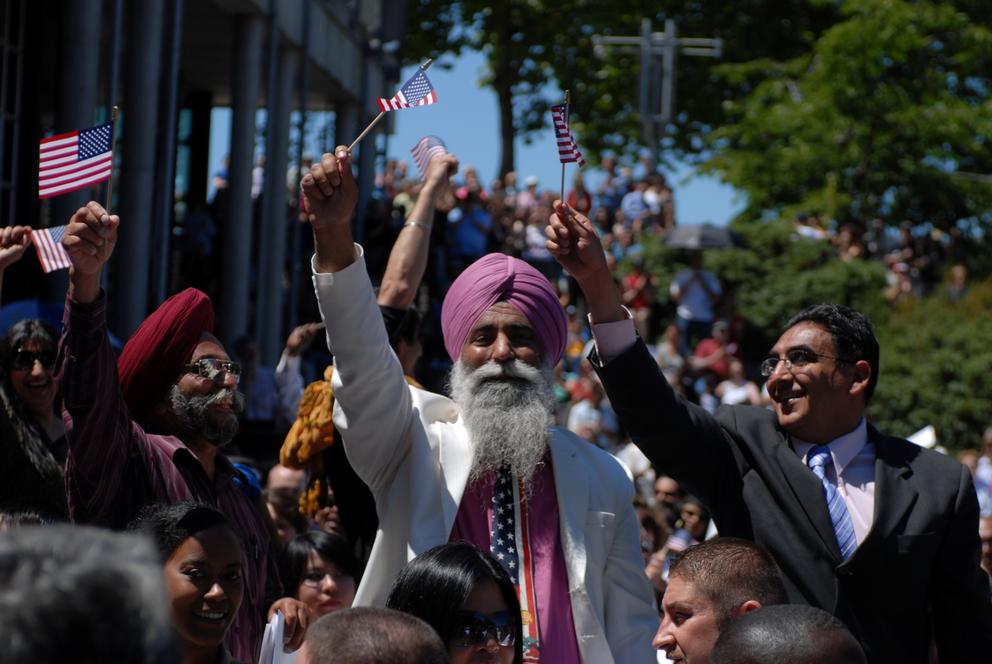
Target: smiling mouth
{"x": 210, "y": 615}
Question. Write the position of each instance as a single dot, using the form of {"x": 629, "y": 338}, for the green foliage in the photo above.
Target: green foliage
{"x": 778, "y": 274}
{"x": 878, "y": 119}
{"x": 937, "y": 368}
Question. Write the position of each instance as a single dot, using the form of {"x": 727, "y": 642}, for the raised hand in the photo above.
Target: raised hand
{"x": 441, "y": 168}
{"x": 301, "y": 337}
{"x": 90, "y": 238}
{"x": 573, "y": 242}
{"x": 329, "y": 190}
{"x": 14, "y": 241}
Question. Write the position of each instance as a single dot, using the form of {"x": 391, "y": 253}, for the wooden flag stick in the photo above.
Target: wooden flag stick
{"x": 374, "y": 122}
{"x": 568, "y": 99}
{"x": 113, "y": 144}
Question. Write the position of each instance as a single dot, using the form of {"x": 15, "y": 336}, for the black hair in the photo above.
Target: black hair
{"x": 730, "y": 571}
{"x": 330, "y": 546}
{"x": 852, "y": 332}
{"x": 435, "y": 585}
{"x": 787, "y": 633}
{"x": 169, "y": 525}
{"x": 27, "y": 432}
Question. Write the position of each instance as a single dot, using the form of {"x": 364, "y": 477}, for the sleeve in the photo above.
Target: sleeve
{"x": 631, "y": 617}
{"x": 679, "y": 438}
{"x": 289, "y": 385}
{"x": 101, "y": 437}
{"x": 372, "y": 407}
{"x": 959, "y": 589}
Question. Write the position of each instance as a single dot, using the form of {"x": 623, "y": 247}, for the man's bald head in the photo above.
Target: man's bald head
{"x": 787, "y": 633}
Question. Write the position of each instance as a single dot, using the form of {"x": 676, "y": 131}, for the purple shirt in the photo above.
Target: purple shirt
{"x": 114, "y": 468}
{"x": 473, "y": 524}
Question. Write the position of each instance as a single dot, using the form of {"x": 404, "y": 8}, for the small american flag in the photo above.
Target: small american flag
{"x": 418, "y": 91}
{"x": 426, "y": 149}
{"x": 568, "y": 149}
{"x": 51, "y": 253}
{"x": 75, "y": 160}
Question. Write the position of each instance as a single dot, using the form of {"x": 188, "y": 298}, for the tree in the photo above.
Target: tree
{"x": 881, "y": 118}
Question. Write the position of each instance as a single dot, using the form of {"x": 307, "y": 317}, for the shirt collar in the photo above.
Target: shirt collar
{"x": 843, "y": 448}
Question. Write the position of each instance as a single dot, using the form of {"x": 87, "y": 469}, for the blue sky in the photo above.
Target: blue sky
{"x": 466, "y": 118}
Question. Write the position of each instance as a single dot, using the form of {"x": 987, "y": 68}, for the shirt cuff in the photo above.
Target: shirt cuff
{"x": 359, "y": 253}
{"x": 613, "y": 338}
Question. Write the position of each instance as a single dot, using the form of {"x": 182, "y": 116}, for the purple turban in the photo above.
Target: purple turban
{"x": 501, "y": 278}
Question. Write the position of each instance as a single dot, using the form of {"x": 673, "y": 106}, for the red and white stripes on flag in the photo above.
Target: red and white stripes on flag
{"x": 51, "y": 253}
{"x": 568, "y": 149}
{"x": 426, "y": 149}
{"x": 418, "y": 91}
{"x": 75, "y": 160}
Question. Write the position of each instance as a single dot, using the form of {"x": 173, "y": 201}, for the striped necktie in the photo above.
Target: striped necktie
{"x": 818, "y": 459}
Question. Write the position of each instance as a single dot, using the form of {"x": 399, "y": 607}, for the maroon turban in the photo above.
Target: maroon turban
{"x": 153, "y": 357}
{"x": 501, "y": 278}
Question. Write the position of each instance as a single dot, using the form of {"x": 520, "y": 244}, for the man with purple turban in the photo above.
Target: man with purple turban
{"x": 150, "y": 428}
{"x": 484, "y": 466}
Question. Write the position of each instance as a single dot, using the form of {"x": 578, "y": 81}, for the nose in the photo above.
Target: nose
{"x": 663, "y": 638}
{"x": 37, "y": 368}
{"x": 229, "y": 380}
{"x": 328, "y": 585}
{"x": 215, "y": 592}
{"x": 490, "y": 644}
{"x": 502, "y": 350}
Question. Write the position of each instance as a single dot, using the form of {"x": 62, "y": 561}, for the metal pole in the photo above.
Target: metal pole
{"x": 644, "y": 107}
{"x": 166, "y": 175}
{"x": 295, "y": 264}
{"x": 668, "y": 55}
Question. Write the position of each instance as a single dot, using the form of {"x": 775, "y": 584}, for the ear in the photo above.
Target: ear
{"x": 747, "y": 607}
{"x": 862, "y": 375}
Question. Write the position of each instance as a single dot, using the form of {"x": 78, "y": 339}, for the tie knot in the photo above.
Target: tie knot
{"x": 818, "y": 457}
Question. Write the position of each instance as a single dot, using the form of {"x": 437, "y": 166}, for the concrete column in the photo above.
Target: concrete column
{"x": 232, "y": 307}
{"x": 133, "y": 254}
{"x": 78, "y": 83}
{"x": 272, "y": 237}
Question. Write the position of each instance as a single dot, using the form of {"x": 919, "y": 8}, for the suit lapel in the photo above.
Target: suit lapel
{"x": 894, "y": 496}
{"x": 809, "y": 494}
{"x": 572, "y": 494}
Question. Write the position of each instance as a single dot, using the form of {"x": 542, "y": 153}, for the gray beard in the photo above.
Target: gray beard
{"x": 508, "y": 420}
{"x": 195, "y": 420}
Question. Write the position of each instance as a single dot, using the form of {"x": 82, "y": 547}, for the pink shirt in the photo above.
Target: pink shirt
{"x": 554, "y": 608}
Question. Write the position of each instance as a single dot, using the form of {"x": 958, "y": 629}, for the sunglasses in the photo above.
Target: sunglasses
{"x": 214, "y": 369}
{"x": 24, "y": 360}
{"x": 475, "y": 629}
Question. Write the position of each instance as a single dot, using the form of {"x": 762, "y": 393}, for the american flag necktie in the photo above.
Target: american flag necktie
{"x": 509, "y": 541}
{"x": 818, "y": 459}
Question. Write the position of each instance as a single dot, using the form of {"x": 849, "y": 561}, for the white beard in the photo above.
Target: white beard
{"x": 507, "y": 418}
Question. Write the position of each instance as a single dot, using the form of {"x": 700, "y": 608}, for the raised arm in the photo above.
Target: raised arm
{"x": 14, "y": 241}
{"x": 372, "y": 407}
{"x": 408, "y": 258}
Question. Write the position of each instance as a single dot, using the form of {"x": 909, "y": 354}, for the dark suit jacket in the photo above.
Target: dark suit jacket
{"x": 917, "y": 568}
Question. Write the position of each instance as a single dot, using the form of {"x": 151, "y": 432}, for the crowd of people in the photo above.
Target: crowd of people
{"x": 504, "y": 461}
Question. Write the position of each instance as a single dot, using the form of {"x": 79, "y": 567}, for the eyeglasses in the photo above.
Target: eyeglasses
{"x": 475, "y": 629}
{"x": 24, "y": 360}
{"x": 796, "y": 358}
{"x": 213, "y": 369}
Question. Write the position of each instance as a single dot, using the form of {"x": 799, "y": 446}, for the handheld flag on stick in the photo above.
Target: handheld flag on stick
{"x": 51, "y": 254}
{"x": 75, "y": 160}
{"x": 568, "y": 149}
{"x": 426, "y": 149}
{"x": 418, "y": 91}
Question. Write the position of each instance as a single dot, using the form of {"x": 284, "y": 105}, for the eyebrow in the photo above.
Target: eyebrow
{"x": 771, "y": 353}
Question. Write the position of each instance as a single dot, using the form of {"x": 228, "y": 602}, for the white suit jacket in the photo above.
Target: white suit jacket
{"x": 412, "y": 450}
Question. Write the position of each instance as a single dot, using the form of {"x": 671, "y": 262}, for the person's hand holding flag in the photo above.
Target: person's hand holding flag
{"x": 89, "y": 239}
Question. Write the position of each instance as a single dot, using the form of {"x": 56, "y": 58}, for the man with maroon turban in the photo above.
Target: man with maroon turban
{"x": 483, "y": 466}
{"x": 149, "y": 429}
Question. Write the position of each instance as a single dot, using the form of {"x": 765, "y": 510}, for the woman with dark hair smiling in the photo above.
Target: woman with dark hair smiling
{"x": 203, "y": 577}
{"x": 467, "y": 597}
{"x": 319, "y": 569}
{"x": 32, "y": 437}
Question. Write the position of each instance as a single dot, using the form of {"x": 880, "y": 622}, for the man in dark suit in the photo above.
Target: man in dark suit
{"x": 874, "y": 529}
